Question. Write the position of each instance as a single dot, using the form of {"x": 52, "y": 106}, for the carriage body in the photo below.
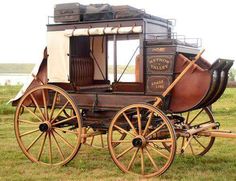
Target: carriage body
{"x": 77, "y": 61}
{"x": 73, "y": 78}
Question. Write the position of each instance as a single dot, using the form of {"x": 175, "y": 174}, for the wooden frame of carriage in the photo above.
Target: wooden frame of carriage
{"x": 70, "y": 100}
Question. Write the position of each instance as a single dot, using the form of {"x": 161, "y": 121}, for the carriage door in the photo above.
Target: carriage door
{"x": 159, "y": 67}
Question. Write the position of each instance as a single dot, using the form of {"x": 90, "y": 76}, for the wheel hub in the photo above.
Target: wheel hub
{"x": 139, "y": 142}
{"x": 44, "y": 127}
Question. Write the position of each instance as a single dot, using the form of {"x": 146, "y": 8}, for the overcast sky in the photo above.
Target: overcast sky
{"x": 23, "y": 25}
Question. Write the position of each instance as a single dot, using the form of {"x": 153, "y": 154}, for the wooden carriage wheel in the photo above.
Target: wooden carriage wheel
{"x": 196, "y": 145}
{"x": 141, "y": 151}
{"x": 98, "y": 139}
{"x": 44, "y": 132}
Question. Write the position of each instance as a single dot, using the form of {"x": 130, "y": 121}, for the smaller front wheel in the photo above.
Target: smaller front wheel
{"x": 141, "y": 152}
{"x": 197, "y": 145}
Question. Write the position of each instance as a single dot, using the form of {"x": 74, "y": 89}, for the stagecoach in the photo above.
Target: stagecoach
{"x": 80, "y": 94}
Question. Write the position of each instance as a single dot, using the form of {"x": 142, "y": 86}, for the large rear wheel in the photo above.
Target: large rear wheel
{"x": 45, "y": 132}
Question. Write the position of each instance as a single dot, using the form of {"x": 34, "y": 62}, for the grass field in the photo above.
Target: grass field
{"x": 120, "y": 68}
{"x": 96, "y": 164}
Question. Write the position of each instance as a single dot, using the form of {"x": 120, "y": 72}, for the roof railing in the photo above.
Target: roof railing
{"x": 174, "y": 38}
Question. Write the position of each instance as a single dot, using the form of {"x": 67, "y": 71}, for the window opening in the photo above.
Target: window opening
{"x": 127, "y": 53}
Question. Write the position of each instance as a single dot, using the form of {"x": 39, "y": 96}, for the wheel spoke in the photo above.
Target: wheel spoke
{"x": 151, "y": 159}
{"x": 121, "y": 129}
{"x": 183, "y": 142}
{"x": 155, "y": 130}
{"x": 122, "y": 141}
{"x": 124, "y": 152}
{"x": 64, "y": 120}
{"x": 28, "y": 122}
{"x": 139, "y": 122}
{"x": 50, "y": 147}
{"x": 194, "y": 137}
{"x": 31, "y": 112}
{"x": 45, "y": 105}
{"x": 121, "y": 132}
{"x": 160, "y": 141}
{"x": 132, "y": 159}
{"x": 35, "y": 140}
{"x": 196, "y": 116}
{"x": 160, "y": 153}
{"x": 131, "y": 125}
{"x": 187, "y": 118}
{"x": 66, "y": 114}
{"x": 92, "y": 139}
{"x": 53, "y": 105}
{"x": 148, "y": 123}
{"x": 142, "y": 161}
{"x": 36, "y": 104}
{"x": 191, "y": 148}
{"x": 42, "y": 147}
{"x": 60, "y": 111}
{"x": 29, "y": 132}
{"x": 65, "y": 130}
{"x": 64, "y": 140}
{"x": 102, "y": 141}
{"x": 186, "y": 144}
{"x": 58, "y": 147}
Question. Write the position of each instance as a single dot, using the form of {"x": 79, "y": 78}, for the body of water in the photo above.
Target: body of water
{"x": 14, "y": 79}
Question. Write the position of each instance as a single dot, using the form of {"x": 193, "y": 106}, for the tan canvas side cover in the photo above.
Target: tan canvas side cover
{"x": 58, "y": 56}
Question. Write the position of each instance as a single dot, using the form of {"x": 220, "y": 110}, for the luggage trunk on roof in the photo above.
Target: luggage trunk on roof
{"x": 98, "y": 12}
{"x": 75, "y": 12}
{"x": 126, "y": 11}
{"x": 68, "y": 12}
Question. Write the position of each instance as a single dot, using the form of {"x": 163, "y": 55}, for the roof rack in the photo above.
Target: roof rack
{"x": 174, "y": 38}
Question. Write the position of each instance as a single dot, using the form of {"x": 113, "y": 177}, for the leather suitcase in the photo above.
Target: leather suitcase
{"x": 98, "y": 12}
{"x": 126, "y": 11}
{"x": 68, "y": 12}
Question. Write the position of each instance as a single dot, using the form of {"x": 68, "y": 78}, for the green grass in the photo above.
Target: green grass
{"x": 6, "y": 93}
{"x": 96, "y": 164}
{"x": 120, "y": 68}
{"x": 16, "y": 68}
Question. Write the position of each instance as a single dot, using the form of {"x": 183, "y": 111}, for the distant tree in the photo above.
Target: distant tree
{"x": 232, "y": 75}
